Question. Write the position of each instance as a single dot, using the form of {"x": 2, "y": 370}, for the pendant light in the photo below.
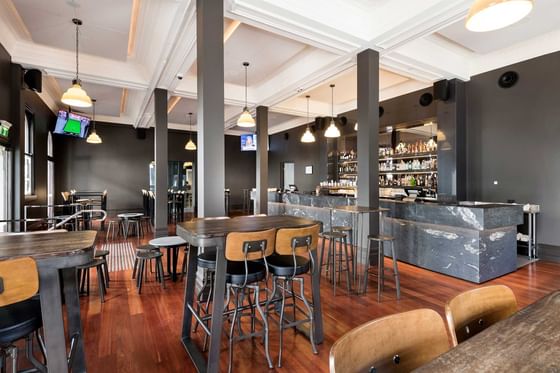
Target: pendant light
{"x": 246, "y": 119}
{"x": 490, "y": 15}
{"x": 76, "y": 96}
{"x": 190, "y": 144}
{"x": 93, "y": 137}
{"x": 308, "y": 136}
{"x": 356, "y": 126}
{"x": 332, "y": 131}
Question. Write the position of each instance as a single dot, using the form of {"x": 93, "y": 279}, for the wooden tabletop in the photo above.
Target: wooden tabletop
{"x": 39, "y": 246}
{"x": 218, "y": 228}
{"x": 528, "y": 341}
{"x": 360, "y": 209}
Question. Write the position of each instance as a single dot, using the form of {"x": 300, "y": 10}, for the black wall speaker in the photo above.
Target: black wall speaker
{"x": 343, "y": 120}
{"x": 33, "y": 79}
{"x": 286, "y": 136}
{"x": 426, "y": 99}
{"x": 441, "y": 90}
{"x": 508, "y": 79}
{"x": 141, "y": 133}
{"x": 381, "y": 111}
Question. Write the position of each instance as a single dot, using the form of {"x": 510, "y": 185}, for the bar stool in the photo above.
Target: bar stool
{"x": 139, "y": 249}
{"x": 134, "y": 223}
{"x": 334, "y": 258}
{"x": 144, "y": 256}
{"x": 382, "y": 240}
{"x": 83, "y": 275}
{"x": 103, "y": 255}
{"x": 111, "y": 228}
{"x": 348, "y": 231}
{"x": 146, "y": 224}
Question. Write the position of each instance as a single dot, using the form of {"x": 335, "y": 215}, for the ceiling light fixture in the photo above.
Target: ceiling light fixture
{"x": 246, "y": 119}
{"x": 356, "y": 126}
{"x": 308, "y": 136}
{"x": 93, "y": 137}
{"x": 332, "y": 131}
{"x": 190, "y": 144}
{"x": 76, "y": 96}
{"x": 490, "y": 15}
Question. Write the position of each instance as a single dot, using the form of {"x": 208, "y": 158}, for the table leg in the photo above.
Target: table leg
{"x": 217, "y": 310}
{"x": 168, "y": 260}
{"x": 316, "y": 295}
{"x": 71, "y": 296}
{"x": 53, "y": 326}
{"x": 175, "y": 253}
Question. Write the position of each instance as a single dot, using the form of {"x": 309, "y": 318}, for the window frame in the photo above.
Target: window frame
{"x": 29, "y": 153}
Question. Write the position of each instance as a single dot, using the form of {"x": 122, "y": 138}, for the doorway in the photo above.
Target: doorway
{"x": 288, "y": 175}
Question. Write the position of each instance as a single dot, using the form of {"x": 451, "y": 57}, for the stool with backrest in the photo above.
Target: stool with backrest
{"x": 382, "y": 240}
{"x": 20, "y": 311}
{"x": 335, "y": 258}
{"x": 292, "y": 259}
{"x": 471, "y": 312}
{"x": 396, "y": 343}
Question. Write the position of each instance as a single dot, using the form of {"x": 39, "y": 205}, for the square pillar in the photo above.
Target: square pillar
{"x": 261, "y": 202}
{"x": 161, "y": 161}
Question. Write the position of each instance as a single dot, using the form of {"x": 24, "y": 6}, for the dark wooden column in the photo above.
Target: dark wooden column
{"x": 261, "y": 202}
{"x": 452, "y": 137}
{"x": 160, "y": 153}
{"x": 210, "y": 123}
{"x": 368, "y": 132}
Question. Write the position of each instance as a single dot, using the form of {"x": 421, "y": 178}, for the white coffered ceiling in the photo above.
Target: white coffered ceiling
{"x": 130, "y": 47}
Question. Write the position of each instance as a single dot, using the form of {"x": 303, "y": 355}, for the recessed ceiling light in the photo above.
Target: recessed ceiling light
{"x": 490, "y": 15}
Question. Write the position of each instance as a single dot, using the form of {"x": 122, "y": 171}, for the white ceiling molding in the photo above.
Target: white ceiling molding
{"x": 287, "y": 125}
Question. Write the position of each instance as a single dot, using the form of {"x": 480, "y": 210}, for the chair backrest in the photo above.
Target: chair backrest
{"x": 396, "y": 343}
{"x": 293, "y": 240}
{"x": 241, "y": 246}
{"x": 471, "y": 312}
{"x": 19, "y": 280}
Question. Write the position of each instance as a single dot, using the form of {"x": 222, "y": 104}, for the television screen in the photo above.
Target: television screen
{"x": 249, "y": 142}
{"x": 71, "y": 124}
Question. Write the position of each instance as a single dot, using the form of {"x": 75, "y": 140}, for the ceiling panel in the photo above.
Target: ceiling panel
{"x": 104, "y": 32}
{"x": 544, "y": 18}
{"x": 108, "y": 98}
{"x": 266, "y": 52}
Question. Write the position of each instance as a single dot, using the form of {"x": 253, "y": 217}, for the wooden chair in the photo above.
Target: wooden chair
{"x": 396, "y": 343}
{"x": 20, "y": 311}
{"x": 471, "y": 312}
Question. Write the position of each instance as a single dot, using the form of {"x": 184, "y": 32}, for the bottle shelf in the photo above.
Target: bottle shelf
{"x": 408, "y": 172}
{"x": 408, "y": 156}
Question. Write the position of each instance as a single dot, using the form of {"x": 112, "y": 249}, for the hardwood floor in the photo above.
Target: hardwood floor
{"x": 141, "y": 333}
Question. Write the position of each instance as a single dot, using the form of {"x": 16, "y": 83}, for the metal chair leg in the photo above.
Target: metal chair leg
{"x": 281, "y": 322}
{"x": 265, "y": 324}
{"x": 348, "y": 274}
{"x": 232, "y": 328}
{"x": 396, "y": 270}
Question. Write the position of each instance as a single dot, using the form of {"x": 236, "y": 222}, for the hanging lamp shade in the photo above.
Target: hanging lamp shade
{"x": 490, "y": 15}
{"x": 76, "y": 96}
{"x": 93, "y": 137}
{"x": 356, "y": 126}
{"x": 190, "y": 145}
{"x": 246, "y": 119}
{"x": 308, "y": 136}
{"x": 332, "y": 131}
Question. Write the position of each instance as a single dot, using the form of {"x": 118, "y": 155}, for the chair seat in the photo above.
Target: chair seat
{"x": 207, "y": 259}
{"x": 380, "y": 237}
{"x": 19, "y": 320}
{"x": 332, "y": 235}
{"x": 146, "y": 248}
{"x": 341, "y": 228}
{"x": 235, "y": 273}
{"x": 148, "y": 254}
{"x": 283, "y": 265}
{"x": 101, "y": 253}
{"x": 94, "y": 263}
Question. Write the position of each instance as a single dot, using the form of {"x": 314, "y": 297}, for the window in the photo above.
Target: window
{"x": 28, "y": 168}
{"x": 5, "y": 191}
{"x": 50, "y": 176}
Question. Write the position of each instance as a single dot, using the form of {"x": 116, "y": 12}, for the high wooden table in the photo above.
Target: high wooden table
{"x": 528, "y": 341}
{"x": 209, "y": 233}
{"x": 55, "y": 253}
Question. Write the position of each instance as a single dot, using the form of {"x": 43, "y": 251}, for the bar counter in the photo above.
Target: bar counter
{"x": 473, "y": 241}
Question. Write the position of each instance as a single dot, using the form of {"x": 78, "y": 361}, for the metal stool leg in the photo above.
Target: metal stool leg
{"x": 159, "y": 265}
{"x": 396, "y": 270}
{"x": 379, "y": 271}
{"x": 348, "y": 270}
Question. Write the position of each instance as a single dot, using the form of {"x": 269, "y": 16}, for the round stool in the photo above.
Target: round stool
{"x": 143, "y": 257}
{"x": 382, "y": 240}
{"x": 142, "y": 249}
{"x": 83, "y": 275}
{"x": 334, "y": 258}
{"x": 111, "y": 228}
{"x": 103, "y": 255}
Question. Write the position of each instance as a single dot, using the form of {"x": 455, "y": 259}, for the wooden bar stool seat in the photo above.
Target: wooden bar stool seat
{"x": 382, "y": 240}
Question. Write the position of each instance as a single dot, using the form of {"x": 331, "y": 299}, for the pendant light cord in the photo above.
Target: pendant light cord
{"x": 246, "y": 64}
{"x": 307, "y": 97}
{"x": 332, "y": 101}
{"x": 77, "y": 60}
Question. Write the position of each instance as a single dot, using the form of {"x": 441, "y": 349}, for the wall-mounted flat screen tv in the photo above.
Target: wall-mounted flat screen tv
{"x": 248, "y": 142}
{"x": 71, "y": 124}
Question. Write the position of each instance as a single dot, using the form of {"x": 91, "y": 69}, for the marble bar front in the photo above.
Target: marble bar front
{"x": 473, "y": 241}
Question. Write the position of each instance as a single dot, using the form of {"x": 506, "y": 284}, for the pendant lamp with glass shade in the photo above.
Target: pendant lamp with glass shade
{"x": 332, "y": 131}
{"x": 246, "y": 119}
{"x": 490, "y": 15}
{"x": 76, "y": 96}
{"x": 308, "y": 136}
{"x": 356, "y": 126}
{"x": 93, "y": 137}
{"x": 190, "y": 144}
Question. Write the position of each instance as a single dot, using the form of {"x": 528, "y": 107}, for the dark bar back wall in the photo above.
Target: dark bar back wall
{"x": 121, "y": 164}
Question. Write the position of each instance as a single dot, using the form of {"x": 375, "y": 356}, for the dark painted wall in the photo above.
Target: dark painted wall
{"x": 5, "y": 78}
{"x": 121, "y": 164}
{"x": 513, "y": 138}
